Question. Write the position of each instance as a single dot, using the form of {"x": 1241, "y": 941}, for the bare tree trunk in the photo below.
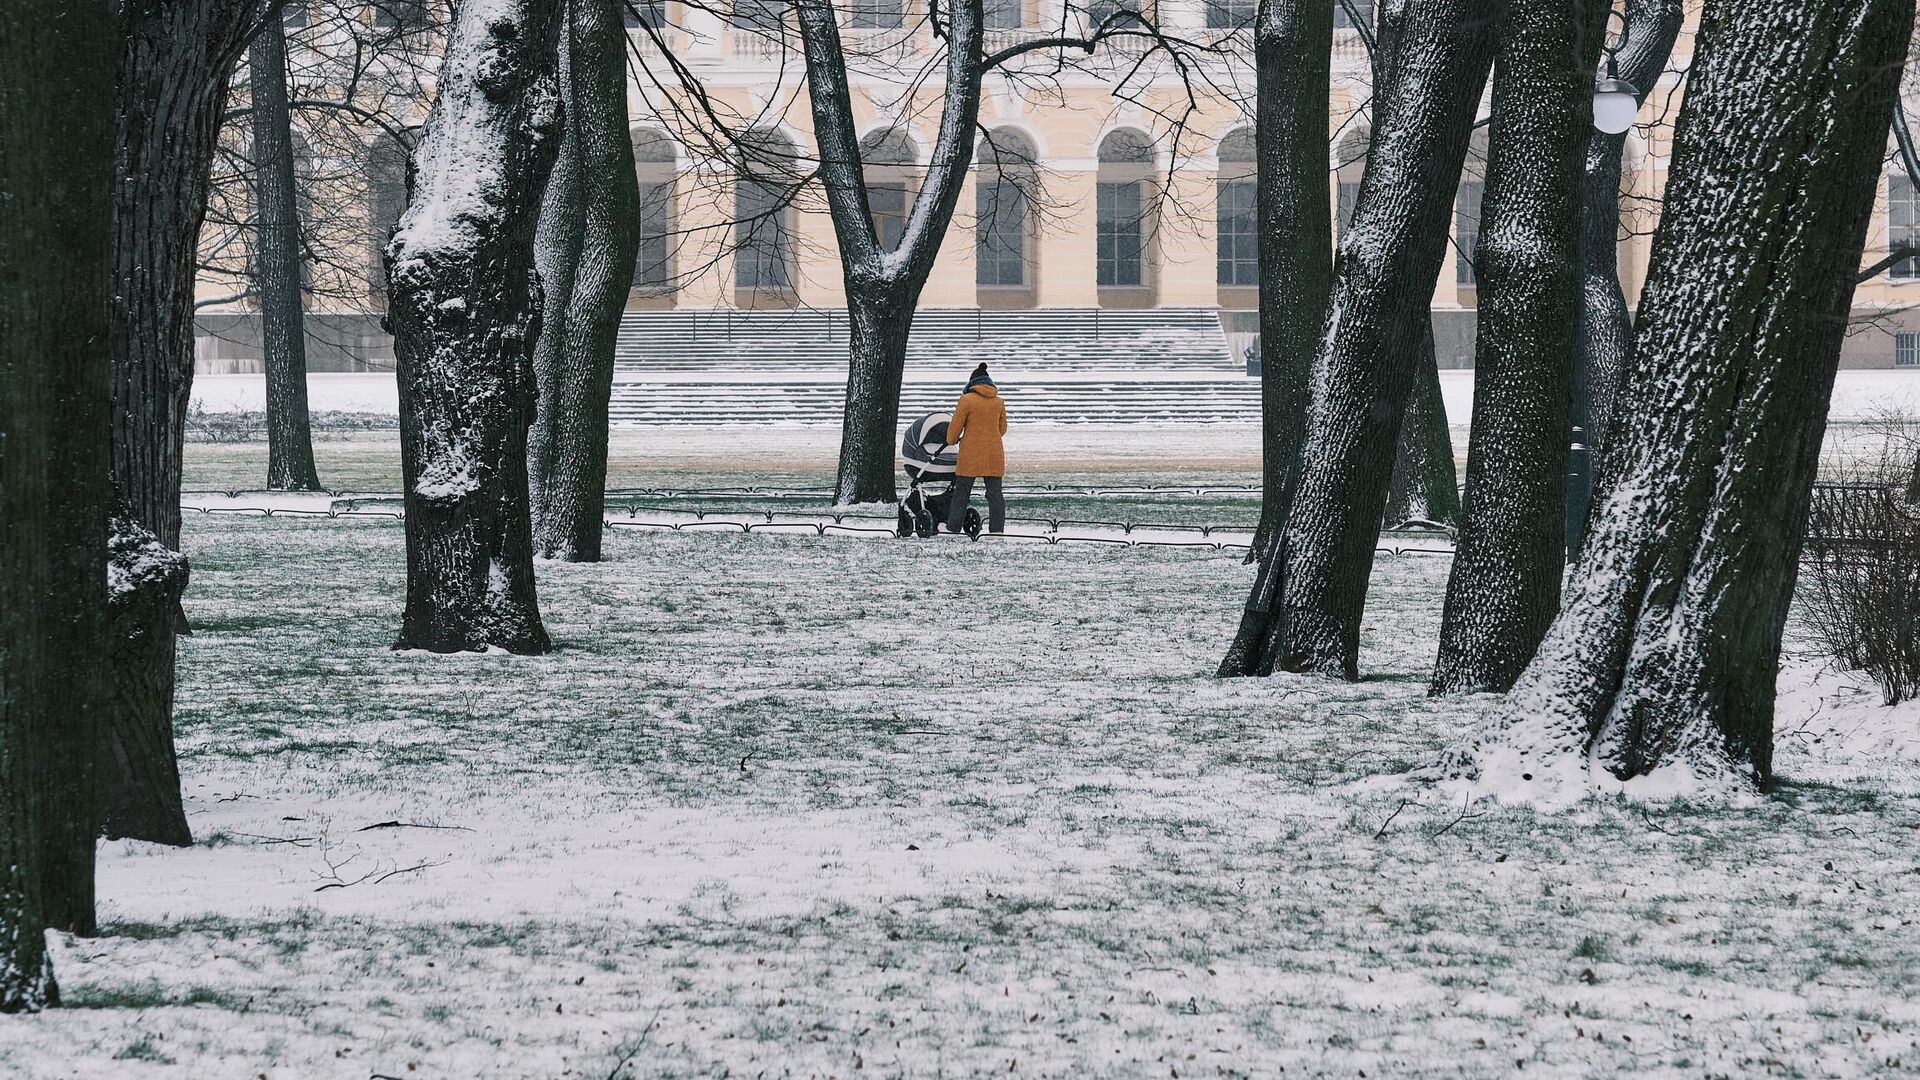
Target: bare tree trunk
{"x": 1665, "y": 655}
{"x": 585, "y": 248}
{"x": 465, "y": 314}
{"x": 1505, "y": 585}
{"x": 56, "y": 161}
{"x": 1292, "y": 50}
{"x": 277, "y": 265}
{"x": 879, "y": 326}
{"x": 1425, "y": 488}
{"x": 176, "y": 61}
{"x": 1605, "y": 332}
{"x": 883, "y": 287}
{"x": 1304, "y": 611}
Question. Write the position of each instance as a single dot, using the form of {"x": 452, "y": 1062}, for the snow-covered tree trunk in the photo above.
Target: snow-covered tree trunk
{"x": 56, "y": 157}
{"x": 464, "y": 308}
{"x": 588, "y": 235}
{"x": 1425, "y": 488}
{"x": 1505, "y": 585}
{"x": 176, "y": 63}
{"x": 140, "y": 796}
{"x": 1293, "y": 51}
{"x": 1664, "y": 656}
{"x": 1304, "y": 611}
{"x": 277, "y": 261}
{"x": 1605, "y": 330}
{"x": 883, "y": 287}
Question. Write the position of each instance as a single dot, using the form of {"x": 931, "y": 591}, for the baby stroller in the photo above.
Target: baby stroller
{"x": 930, "y": 460}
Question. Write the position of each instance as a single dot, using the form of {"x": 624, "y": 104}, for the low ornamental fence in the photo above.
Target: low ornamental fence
{"x": 1234, "y": 536}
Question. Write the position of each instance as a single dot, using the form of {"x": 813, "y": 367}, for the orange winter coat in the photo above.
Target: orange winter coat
{"x": 982, "y": 418}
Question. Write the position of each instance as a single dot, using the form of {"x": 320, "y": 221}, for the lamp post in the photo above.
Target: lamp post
{"x": 1615, "y": 100}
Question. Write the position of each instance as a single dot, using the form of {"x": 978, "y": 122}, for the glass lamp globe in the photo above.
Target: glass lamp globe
{"x": 1615, "y": 102}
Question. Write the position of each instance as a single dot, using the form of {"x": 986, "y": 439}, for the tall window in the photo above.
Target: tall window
{"x": 1350, "y": 167}
{"x": 1126, "y": 161}
{"x": 888, "y": 202}
{"x": 653, "y": 157}
{"x": 763, "y": 14}
{"x": 1906, "y": 350}
{"x": 386, "y": 201}
{"x": 1119, "y": 244}
{"x": 1466, "y": 229}
{"x": 887, "y": 156}
{"x": 640, "y": 13}
{"x": 1000, "y": 246}
{"x": 1466, "y": 209}
{"x": 763, "y": 217}
{"x": 1344, "y": 21}
{"x": 294, "y": 14}
{"x": 400, "y": 14}
{"x": 1008, "y": 175}
{"x": 1004, "y": 14}
{"x": 1229, "y": 14}
{"x": 1903, "y": 225}
{"x": 1237, "y": 234}
{"x": 876, "y": 15}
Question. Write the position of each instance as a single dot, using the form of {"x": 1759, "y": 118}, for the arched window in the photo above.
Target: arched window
{"x": 1236, "y": 220}
{"x": 887, "y": 157}
{"x": 1349, "y": 168}
{"x": 1466, "y": 209}
{"x": 763, "y": 213}
{"x": 1121, "y": 198}
{"x": 1003, "y": 190}
{"x": 386, "y": 201}
{"x": 653, "y": 161}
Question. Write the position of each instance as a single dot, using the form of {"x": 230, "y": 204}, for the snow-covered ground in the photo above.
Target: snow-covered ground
{"x": 800, "y": 806}
{"x": 1856, "y": 393}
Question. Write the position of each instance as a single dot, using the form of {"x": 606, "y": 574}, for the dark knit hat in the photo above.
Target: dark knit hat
{"x": 980, "y": 376}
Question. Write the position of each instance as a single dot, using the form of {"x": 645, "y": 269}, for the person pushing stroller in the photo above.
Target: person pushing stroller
{"x": 979, "y": 421}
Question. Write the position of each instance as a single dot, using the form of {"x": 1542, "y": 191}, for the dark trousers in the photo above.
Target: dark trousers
{"x": 963, "y": 491}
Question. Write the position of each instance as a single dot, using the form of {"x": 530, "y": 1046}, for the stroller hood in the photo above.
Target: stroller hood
{"x": 925, "y": 446}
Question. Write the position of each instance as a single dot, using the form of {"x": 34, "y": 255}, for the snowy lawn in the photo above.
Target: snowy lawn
{"x": 790, "y": 806}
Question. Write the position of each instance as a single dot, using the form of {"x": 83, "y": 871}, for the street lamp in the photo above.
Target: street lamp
{"x": 1615, "y": 100}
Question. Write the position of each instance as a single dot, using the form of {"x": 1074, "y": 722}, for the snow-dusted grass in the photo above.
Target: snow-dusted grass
{"x": 833, "y": 807}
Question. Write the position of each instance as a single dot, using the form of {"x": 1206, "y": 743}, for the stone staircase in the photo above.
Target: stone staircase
{"x": 1056, "y": 364}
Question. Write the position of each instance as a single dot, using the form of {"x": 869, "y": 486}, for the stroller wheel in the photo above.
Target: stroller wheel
{"x": 903, "y": 526}
{"x": 973, "y": 524}
{"x": 923, "y": 524}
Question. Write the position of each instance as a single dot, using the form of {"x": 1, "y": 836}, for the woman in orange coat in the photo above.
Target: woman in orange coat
{"x": 977, "y": 425}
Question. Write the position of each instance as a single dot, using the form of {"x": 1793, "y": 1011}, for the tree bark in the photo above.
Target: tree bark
{"x": 1505, "y": 585}
{"x": 1304, "y": 611}
{"x": 585, "y": 247}
{"x": 883, "y": 287}
{"x": 1292, "y": 50}
{"x": 176, "y": 62}
{"x": 465, "y": 313}
{"x": 56, "y": 165}
{"x": 1665, "y": 655}
{"x": 277, "y": 264}
{"x": 1425, "y": 488}
{"x": 1605, "y": 329}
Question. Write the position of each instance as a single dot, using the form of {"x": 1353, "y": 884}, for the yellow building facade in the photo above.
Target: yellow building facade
{"x": 1136, "y": 172}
